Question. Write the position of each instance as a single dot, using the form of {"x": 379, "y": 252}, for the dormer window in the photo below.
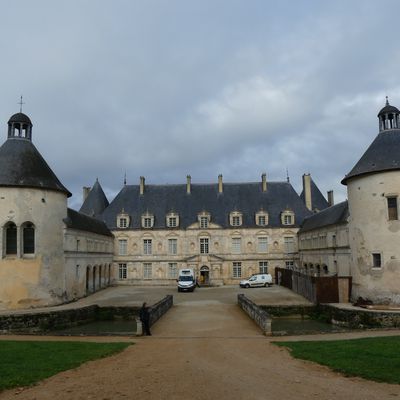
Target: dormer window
{"x": 235, "y": 218}
{"x": 147, "y": 221}
{"x": 204, "y": 219}
{"x": 287, "y": 217}
{"x": 123, "y": 220}
{"x": 262, "y": 218}
{"x": 172, "y": 220}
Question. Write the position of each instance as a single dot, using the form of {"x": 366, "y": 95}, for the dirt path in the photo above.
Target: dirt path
{"x": 203, "y": 350}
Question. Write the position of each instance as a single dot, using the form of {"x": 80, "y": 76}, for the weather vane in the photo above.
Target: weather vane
{"x": 20, "y": 104}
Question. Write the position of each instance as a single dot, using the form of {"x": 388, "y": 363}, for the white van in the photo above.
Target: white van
{"x": 257, "y": 280}
{"x": 186, "y": 280}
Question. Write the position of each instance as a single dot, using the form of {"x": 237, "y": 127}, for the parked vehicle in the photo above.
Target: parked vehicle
{"x": 257, "y": 280}
{"x": 186, "y": 280}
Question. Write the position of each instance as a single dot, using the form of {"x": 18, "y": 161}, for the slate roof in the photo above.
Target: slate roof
{"x": 336, "y": 214}
{"x": 382, "y": 155}
{"x": 247, "y": 198}
{"x": 21, "y": 165}
{"x": 96, "y": 201}
{"x": 318, "y": 200}
{"x": 20, "y": 117}
{"x": 81, "y": 222}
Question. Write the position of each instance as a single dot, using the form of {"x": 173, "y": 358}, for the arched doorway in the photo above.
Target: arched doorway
{"x": 204, "y": 275}
{"x": 87, "y": 279}
{"x": 94, "y": 279}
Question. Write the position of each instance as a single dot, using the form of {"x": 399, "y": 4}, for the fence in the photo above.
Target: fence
{"x": 317, "y": 289}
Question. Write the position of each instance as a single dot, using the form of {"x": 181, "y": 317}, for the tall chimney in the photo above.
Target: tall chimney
{"x": 307, "y": 191}
{"x": 331, "y": 200}
{"x": 188, "y": 184}
{"x": 86, "y": 190}
{"x": 264, "y": 182}
{"x": 220, "y": 185}
{"x": 142, "y": 185}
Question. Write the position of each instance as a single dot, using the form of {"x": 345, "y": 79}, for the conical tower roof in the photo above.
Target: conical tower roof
{"x": 96, "y": 201}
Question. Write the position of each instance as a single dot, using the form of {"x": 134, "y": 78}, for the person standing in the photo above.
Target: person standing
{"x": 144, "y": 315}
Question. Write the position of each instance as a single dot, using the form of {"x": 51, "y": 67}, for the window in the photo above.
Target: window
{"x": 147, "y": 270}
{"x": 261, "y": 220}
{"x": 376, "y": 260}
{"x": 262, "y": 244}
{"x": 289, "y": 244}
{"x": 172, "y": 270}
{"x": 263, "y": 267}
{"x": 172, "y": 220}
{"x": 392, "y": 208}
{"x": 203, "y": 222}
{"x": 28, "y": 235}
{"x": 123, "y": 222}
{"x": 123, "y": 244}
{"x": 147, "y": 220}
{"x": 236, "y": 245}
{"x": 289, "y": 264}
{"x": 235, "y": 218}
{"x": 11, "y": 239}
{"x": 287, "y": 217}
{"x": 237, "y": 270}
{"x": 203, "y": 245}
{"x": 122, "y": 274}
{"x": 147, "y": 246}
{"x": 77, "y": 272}
{"x": 173, "y": 246}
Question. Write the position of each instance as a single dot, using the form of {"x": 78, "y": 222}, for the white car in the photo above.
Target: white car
{"x": 257, "y": 280}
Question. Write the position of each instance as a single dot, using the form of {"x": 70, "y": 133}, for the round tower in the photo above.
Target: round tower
{"x": 33, "y": 204}
{"x": 373, "y": 188}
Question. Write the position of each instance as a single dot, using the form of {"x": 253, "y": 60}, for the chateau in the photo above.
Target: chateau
{"x": 224, "y": 231}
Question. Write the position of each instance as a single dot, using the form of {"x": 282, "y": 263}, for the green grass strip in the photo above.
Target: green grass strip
{"x": 25, "y": 363}
{"x": 376, "y": 359}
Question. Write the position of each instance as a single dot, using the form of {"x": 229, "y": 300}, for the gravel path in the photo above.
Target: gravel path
{"x": 204, "y": 350}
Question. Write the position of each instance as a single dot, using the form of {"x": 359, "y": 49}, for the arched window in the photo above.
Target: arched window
{"x": 28, "y": 238}
{"x": 11, "y": 238}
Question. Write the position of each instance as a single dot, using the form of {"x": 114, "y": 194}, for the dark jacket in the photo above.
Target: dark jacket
{"x": 144, "y": 314}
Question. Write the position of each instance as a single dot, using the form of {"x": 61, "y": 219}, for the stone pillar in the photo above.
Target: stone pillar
{"x": 220, "y": 184}
{"x": 264, "y": 182}
{"x": 307, "y": 191}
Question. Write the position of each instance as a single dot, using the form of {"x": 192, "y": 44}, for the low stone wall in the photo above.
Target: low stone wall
{"x": 48, "y": 321}
{"x": 261, "y": 317}
{"x": 160, "y": 308}
{"x": 289, "y": 310}
{"x": 360, "y": 318}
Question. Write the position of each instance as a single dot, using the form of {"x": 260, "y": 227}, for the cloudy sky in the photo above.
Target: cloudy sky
{"x": 169, "y": 88}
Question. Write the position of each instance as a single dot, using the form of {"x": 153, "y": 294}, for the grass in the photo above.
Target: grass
{"x": 376, "y": 359}
{"x": 25, "y": 363}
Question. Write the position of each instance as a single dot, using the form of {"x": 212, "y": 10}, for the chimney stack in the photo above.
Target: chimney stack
{"x": 86, "y": 190}
{"x": 188, "y": 184}
{"x": 142, "y": 185}
{"x": 331, "y": 201}
{"x": 307, "y": 191}
{"x": 220, "y": 185}
{"x": 264, "y": 182}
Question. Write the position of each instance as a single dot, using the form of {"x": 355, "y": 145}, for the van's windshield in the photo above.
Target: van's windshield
{"x": 186, "y": 278}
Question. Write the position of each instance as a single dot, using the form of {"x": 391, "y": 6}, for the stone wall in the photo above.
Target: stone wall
{"x": 260, "y": 316}
{"x": 160, "y": 308}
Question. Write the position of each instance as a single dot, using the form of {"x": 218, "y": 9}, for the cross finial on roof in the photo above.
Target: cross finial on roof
{"x": 287, "y": 176}
{"x": 387, "y": 100}
{"x": 20, "y": 104}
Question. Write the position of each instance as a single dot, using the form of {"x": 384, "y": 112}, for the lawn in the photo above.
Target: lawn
{"x": 24, "y": 363}
{"x": 377, "y": 359}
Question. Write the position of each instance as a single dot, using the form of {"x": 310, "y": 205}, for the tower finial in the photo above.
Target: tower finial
{"x": 387, "y": 100}
{"x": 287, "y": 176}
{"x": 125, "y": 178}
{"x": 20, "y": 104}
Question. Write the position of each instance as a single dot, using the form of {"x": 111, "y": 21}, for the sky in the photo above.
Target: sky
{"x": 163, "y": 89}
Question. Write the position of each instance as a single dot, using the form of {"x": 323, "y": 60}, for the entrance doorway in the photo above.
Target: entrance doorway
{"x": 204, "y": 275}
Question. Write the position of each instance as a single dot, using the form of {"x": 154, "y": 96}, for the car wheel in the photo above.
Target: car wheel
{"x": 247, "y": 286}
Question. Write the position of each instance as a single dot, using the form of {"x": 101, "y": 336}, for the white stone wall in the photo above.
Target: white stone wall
{"x": 88, "y": 262}
{"x": 371, "y": 232}
{"x": 33, "y": 279}
{"x": 219, "y": 261}
{"x": 327, "y": 246}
